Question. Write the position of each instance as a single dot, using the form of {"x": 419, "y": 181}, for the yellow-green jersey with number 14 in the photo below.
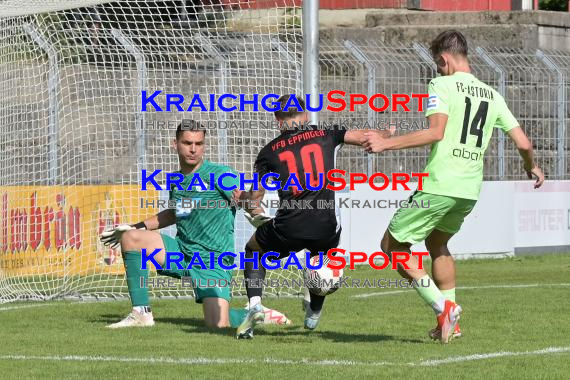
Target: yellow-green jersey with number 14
{"x": 474, "y": 109}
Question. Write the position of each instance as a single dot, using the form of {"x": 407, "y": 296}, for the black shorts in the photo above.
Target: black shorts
{"x": 270, "y": 239}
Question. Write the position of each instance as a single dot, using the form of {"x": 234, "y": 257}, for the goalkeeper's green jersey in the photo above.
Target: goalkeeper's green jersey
{"x": 455, "y": 165}
{"x": 209, "y": 228}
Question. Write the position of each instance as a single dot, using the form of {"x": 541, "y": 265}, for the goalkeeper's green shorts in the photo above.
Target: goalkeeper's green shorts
{"x": 202, "y": 287}
{"x": 446, "y": 214}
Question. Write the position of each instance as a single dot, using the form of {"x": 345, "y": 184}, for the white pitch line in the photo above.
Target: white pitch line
{"x": 23, "y": 306}
{"x": 331, "y": 362}
{"x": 513, "y": 286}
{"x": 193, "y": 361}
{"x": 53, "y": 303}
{"x": 366, "y": 295}
{"x": 492, "y": 355}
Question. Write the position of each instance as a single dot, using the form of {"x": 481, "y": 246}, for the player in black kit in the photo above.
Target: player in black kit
{"x": 309, "y": 152}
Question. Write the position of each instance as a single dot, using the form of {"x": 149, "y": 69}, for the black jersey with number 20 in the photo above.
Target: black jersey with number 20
{"x": 303, "y": 151}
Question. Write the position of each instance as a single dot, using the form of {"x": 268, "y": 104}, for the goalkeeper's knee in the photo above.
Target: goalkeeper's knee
{"x": 131, "y": 240}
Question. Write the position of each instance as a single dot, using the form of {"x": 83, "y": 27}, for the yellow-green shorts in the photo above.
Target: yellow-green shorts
{"x": 414, "y": 224}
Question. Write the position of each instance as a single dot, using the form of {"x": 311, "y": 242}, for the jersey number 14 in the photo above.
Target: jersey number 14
{"x": 476, "y": 124}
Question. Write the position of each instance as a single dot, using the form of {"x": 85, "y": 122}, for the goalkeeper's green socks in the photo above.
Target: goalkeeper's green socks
{"x": 430, "y": 293}
{"x": 449, "y": 294}
{"x": 139, "y": 294}
{"x": 237, "y": 316}
{"x": 136, "y": 275}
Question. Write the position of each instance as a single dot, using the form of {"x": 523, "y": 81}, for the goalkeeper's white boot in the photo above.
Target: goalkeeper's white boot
{"x": 311, "y": 317}
{"x": 134, "y": 319}
{"x": 254, "y": 316}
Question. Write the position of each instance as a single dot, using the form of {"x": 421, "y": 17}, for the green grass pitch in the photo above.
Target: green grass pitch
{"x": 516, "y": 325}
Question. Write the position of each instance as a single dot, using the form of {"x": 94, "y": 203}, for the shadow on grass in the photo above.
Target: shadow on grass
{"x": 333, "y": 336}
{"x": 107, "y": 319}
{"x": 285, "y": 334}
{"x": 292, "y": 334}
{"x": 112, "y": 318}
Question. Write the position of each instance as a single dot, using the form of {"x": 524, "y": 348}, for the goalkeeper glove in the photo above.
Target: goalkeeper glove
{"x": 258, "y": 220}
{"x": 112, "y": 237}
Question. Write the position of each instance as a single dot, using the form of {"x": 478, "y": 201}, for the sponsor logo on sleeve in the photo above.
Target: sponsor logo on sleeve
{"x": 433, "y": 102}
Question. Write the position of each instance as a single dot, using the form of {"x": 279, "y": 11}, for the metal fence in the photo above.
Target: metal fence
{"x": 88, "y": 85}
{"x": 534, "y": 84}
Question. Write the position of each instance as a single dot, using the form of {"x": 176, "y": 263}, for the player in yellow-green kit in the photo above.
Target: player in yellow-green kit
{"x": 199, "y": 230}
{"x": 462, "y": 113}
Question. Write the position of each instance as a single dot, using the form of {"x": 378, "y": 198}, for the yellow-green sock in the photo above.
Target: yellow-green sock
{"x": 449, "y": 294}
{"x": 430, "y": 293}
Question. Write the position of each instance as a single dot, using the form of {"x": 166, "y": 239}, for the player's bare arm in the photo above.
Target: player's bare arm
{"x": 376, "y": 143}
{"x": 357, "y": 136}
{"x": 255, "y": 215}
{"x": 524, "y": 147}
{"x": 163, "y": 219}
{"x": 250, "y": 198}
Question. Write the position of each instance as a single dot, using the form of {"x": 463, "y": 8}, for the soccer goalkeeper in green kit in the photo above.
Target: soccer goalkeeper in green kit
{"x": 202, "y": 230}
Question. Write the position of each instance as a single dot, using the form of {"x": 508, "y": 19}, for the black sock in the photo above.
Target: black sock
{"x": 316, "y": 301}
{"x": 253, "y": 275}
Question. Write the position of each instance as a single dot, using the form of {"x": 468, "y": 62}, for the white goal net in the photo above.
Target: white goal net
{"x": 73, "y": 139}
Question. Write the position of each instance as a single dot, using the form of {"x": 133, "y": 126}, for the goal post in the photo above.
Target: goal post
{"x": 73, "y": 138}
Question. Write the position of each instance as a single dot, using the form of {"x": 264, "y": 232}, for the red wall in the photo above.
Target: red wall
{"x": 348, "y": 4}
